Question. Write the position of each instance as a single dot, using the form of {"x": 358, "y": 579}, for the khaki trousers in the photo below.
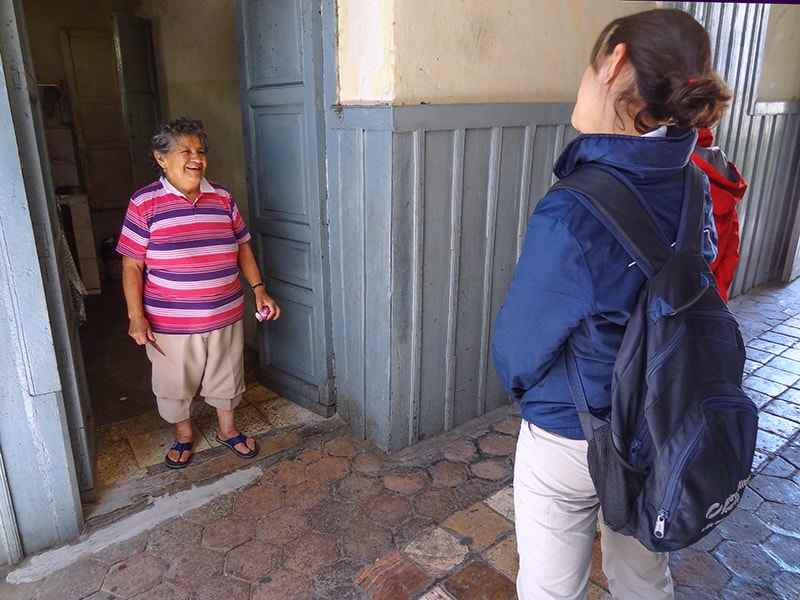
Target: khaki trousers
{"x": 556, "y": 510}
{"x": 212, "y": 362}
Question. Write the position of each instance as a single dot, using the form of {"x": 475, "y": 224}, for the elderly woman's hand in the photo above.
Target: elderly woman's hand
{"x": 264, "y": 300}
{"x": 139, "y": 330}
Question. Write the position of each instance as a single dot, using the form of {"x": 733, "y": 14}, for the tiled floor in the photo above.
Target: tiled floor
{"x": 321, "y": 515}
{"x": 126, "y": 449}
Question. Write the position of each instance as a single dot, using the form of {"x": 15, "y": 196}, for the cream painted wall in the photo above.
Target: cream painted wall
{"x": 366, "y": 60}
{"x": 512, "y": 51}
{"x": 198, "y": 71}
{"x": 780, "y": 74}
{"x": 468, "y": 51}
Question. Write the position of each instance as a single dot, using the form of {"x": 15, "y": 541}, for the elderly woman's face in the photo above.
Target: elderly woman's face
{"x": 185, "y": 165}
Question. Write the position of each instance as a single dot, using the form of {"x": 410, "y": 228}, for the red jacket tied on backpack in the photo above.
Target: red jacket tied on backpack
{"x": 727, "y": 189}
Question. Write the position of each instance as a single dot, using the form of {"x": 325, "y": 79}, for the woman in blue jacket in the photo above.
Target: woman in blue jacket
{"x": 648, "y": 86}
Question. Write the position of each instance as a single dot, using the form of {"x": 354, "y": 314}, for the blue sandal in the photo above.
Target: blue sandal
{"x": 239, "y": 439}
{"x": 181, "y": 447}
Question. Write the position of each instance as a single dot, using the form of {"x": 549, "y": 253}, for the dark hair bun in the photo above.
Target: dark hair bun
{"x": 671, "y": 55}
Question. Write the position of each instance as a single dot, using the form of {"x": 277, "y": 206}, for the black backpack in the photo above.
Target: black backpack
{"x": 672, "y": 458}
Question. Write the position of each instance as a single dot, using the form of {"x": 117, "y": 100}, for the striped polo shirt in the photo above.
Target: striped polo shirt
{"x": 190, "y": 251}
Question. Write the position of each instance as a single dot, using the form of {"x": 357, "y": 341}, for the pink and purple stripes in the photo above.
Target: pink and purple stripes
{"x": 190, "y": 250}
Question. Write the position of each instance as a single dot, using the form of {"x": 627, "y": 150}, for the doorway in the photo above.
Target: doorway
{"x": 297, "y": 350}
{"x": 110, "y": 105}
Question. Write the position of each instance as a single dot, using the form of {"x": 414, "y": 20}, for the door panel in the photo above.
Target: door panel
{"x": 280, "y": 59}
{"x": 47, "y": 453}
{"x": 138, "y": 82}
{"x": 281, "y": 166}
{"x": 89, "y": 61}
{"x": 273, "y": 42}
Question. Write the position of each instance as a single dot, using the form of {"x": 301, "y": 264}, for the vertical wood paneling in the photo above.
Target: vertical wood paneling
{"x": 346, "y": 159}
{"x": 761, "y": 145}
{"x": 375, "y": 251}
{"x": 476, "y": 330}
{"x": 450, "y": 190}
{"x": 526, "y": 182}
{"x": 360, "y": 160}
{"x": 455, "y": 203}
{"x": 480, "y": 156}
{"x": 791, "y": 174}
{"x": 436, "y": 217}
{"x": 403, "y": 288}
{"x": 768, "y": 229}
{"x": 454, "y": 275}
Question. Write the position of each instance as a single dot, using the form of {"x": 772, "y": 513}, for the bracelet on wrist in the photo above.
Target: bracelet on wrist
{"x": 259, "y": 284}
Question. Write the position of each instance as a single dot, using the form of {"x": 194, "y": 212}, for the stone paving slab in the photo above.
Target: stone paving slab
{"x": 321, "y": 515}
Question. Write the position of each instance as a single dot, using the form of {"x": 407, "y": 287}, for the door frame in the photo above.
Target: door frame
{"x": 139, "y": 149}
{"x": 47, "y": 453}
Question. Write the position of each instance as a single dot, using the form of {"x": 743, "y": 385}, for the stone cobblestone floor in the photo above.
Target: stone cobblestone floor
{"x": 321, "y": 515}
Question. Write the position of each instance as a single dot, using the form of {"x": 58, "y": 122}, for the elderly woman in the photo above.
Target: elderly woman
{"x": 183, "y": 243}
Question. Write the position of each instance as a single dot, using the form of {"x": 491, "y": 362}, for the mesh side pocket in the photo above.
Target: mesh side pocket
{"x": 616, "y": 483}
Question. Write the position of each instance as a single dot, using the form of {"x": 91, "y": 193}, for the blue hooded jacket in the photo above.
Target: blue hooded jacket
{"x": 574, "y": 282}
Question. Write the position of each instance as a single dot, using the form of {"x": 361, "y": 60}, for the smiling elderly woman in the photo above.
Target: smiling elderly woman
{"x": 183, "y": 243}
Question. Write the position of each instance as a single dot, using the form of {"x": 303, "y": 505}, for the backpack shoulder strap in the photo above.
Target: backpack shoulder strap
{"x": 621, "y": 209}
{"x": 618, "y": 205}
{"x": 690, "y": 234}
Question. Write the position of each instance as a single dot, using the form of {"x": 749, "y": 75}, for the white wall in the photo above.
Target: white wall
{"x": 780, "y": 74}
{"x": 366, "y": 51}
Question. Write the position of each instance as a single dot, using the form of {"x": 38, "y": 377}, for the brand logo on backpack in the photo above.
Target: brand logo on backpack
{"x": 718, "y": 510}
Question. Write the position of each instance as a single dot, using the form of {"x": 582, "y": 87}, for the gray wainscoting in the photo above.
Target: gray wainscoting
{"x": 429, "y": 206}
{"x": 428, "y": 209}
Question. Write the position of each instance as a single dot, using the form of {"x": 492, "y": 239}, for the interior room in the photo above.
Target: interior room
{"x": 106, "y": 72}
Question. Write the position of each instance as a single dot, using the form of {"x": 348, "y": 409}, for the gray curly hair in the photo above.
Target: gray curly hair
{"x": 166, "y": 137}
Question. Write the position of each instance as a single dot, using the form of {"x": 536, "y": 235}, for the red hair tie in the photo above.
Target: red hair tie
{"x": 693, "y": 81}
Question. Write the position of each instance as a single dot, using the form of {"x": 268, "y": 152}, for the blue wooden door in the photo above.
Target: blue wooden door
{"x": 280, "y": 65}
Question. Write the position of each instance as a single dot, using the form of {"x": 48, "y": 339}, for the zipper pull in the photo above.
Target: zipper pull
{"x": 660, "y": 522}
{"x": 633, "y": 453}
{"x": 635, "y": 446}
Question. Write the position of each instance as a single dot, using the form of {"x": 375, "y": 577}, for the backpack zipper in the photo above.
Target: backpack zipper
{"x": 672, "y": 485}
{"x": 657, "y": 360}
{"x": 661, "y": 519}
{"x": 668, "y": 504}
{"x": 674, "y": 341}
{"x": 638, "y": 441}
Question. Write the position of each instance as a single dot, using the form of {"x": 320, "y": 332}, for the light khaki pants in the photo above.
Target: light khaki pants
{"x": 213, "y": 362}
{"x": 556, "y": 510}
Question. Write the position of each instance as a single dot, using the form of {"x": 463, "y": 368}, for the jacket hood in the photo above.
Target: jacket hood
{"x": 728, "y": 188}
{"x": 638, "y": 158}
{"x": 705, "y": 137}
